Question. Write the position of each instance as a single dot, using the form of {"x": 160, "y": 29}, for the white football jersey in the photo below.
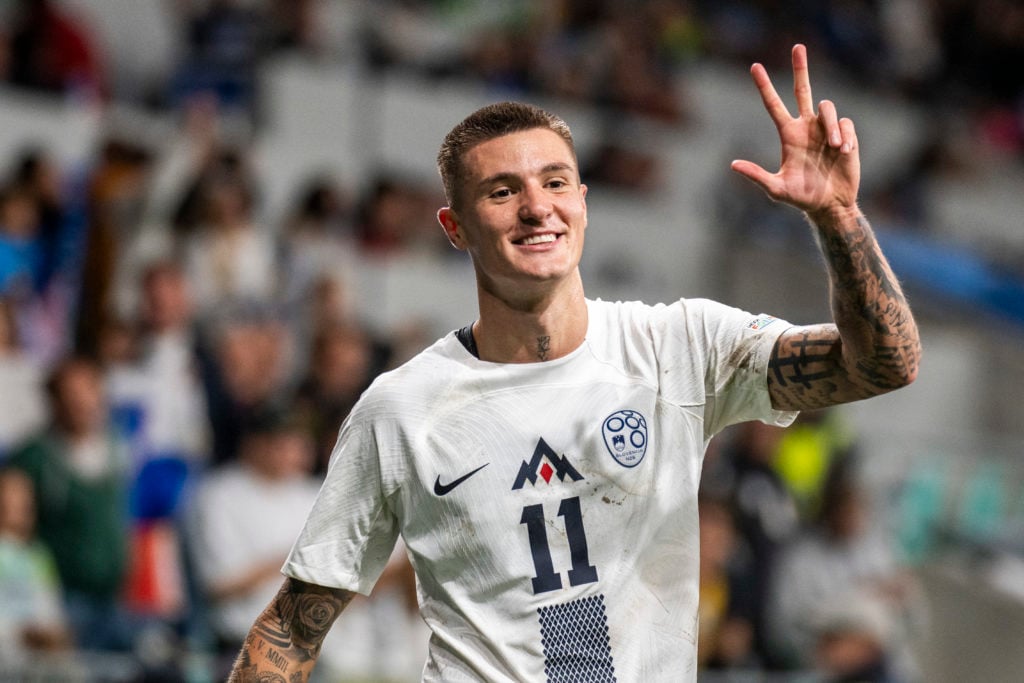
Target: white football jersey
{"x": 549, "y": 509}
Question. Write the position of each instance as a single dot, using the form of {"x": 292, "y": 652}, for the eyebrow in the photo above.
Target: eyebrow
{"x": 553, "y": 167}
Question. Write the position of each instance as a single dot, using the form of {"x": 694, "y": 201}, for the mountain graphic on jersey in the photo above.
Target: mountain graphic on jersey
{"x": 544, "y": 464}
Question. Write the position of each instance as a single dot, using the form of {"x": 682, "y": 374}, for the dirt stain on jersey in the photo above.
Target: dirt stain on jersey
{"x": 744, "y": 356}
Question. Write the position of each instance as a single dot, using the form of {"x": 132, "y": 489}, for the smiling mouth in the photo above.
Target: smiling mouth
{"x": 537, "y": 239}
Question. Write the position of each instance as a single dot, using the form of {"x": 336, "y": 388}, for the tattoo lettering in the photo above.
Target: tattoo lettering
{"x": 277, "y": 659}
{"x": 543, "y": 347}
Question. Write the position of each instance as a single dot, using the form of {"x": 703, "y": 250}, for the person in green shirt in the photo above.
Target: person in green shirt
{"x": 78, "y": 471}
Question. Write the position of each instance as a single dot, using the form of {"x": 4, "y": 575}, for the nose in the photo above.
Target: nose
{"x": 535, "y": 205}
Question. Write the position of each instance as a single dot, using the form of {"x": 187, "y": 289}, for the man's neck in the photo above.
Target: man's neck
{"x": 531, "y": 332}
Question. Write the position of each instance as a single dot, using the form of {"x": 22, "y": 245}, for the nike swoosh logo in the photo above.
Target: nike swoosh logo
{"x": 444, "y": 489}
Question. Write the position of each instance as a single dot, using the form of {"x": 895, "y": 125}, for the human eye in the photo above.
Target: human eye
{"x": 500, "y": 193}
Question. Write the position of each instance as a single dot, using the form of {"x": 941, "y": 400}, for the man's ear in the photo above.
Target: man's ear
{"x": 583, "y": 198}
{"x": 450, "y": 222}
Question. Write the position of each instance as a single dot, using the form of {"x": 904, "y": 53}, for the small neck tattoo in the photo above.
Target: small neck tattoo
{"x": 543, "y": 347}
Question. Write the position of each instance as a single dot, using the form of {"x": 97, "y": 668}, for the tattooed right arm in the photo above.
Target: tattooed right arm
{"x": 284, "y": 643}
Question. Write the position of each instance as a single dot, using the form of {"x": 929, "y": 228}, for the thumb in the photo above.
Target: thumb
{"x": 754, "y": 173}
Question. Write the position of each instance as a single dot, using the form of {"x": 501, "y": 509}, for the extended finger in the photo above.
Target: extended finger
{"x": 802, "y": 81}
{"x": 829, "y": 120}
{"x": 772, "y": 102}
{"x": 849, "y": 135}
{"x": 765, "y": 180}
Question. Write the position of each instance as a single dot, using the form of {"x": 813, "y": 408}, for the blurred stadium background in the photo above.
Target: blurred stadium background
{"x": 279, "y": 155}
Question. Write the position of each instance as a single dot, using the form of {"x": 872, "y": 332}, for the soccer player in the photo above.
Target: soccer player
{"x": 542, "y": 463}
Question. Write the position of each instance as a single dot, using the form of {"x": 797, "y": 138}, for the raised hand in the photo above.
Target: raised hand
{"x": 820, "y": 166}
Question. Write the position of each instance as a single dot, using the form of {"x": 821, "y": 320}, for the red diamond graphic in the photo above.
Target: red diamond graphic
{"x": 546, "y": 471}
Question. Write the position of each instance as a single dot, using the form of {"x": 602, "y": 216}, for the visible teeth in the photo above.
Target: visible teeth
{"x": 539, "y": 239}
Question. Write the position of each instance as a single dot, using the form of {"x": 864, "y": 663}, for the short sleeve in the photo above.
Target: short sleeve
{"x": 736, "y": 347}
{"x": 351, "y": 531}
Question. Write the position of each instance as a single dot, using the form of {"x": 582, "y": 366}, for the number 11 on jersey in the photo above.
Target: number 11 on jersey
{"x": 547, "y": 579}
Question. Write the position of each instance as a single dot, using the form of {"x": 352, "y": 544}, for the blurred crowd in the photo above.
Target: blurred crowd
{"x": 618, "y": 55}
{"x": 171, "y": 396}
{"x": 175, "y": 363}
{"x": 799, "y": 568}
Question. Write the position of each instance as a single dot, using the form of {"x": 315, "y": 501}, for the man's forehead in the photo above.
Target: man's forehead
{"x": 531, "y": 149}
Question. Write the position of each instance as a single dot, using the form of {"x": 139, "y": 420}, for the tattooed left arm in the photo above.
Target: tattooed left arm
{"x": 872, "y": 348}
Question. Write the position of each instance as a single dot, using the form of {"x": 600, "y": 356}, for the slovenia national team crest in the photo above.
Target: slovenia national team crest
{"x": 625, "y": 436}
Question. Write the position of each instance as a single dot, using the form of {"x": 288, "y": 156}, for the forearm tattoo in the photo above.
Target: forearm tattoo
{"x": 285, "y": 641}
{"x": 872, "y": 348}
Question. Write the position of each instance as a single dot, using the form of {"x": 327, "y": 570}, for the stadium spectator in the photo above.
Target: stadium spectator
{"x": 833, "y": 564}
{"x": 244, "y": 519}
{"x": 742, "y": 472}
{"x": 176, "y": 420}
{"x": 854, "y": 642}
{"x": 22, "y": 404}
{"x": 51, "y": 50}
{"x": 32, "y": 618}
{"x": 394, "y": 216}
{"x": 344, "y": 361}
{"x": 22, "y": 257}
{"x": 230, "y": 259}
{"x": 78, "y": 472}
{"x": 226, "y": 41}
{"x": 726, "y": 626}
{"x": 316, "y": 241}
{"x": 814, "y": 447}
{"x": 245, "y": 364}
{"x": 116, "y": 188}
{"x": 37, "y": 173}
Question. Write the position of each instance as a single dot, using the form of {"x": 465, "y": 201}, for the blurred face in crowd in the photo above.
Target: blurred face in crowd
{"x": 522, "y": 212}
{"x": 167, "y": 302}
{"x": 845, "y": 652}
{"x": 117, "y": 343}
{"x": 19, "y": 216}
{"x": 717, "y": 537}
{"x": 328, "y": 303}
{"x": 847, "y": 517}
{"x": 342, "y": 361}
{"x": 17, "y": 505}
{"x": 227, "y": 204}
{"x": 251, "y": 358}
{"x": 79, "y": 402}
{"x": 8, "y": 333}
{"x": 280, "y": 454}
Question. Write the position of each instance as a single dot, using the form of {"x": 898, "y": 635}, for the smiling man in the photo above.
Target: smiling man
{"x": 542, "y": 463}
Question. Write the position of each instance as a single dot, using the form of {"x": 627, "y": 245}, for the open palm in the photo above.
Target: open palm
{"x": 820, "y": 166}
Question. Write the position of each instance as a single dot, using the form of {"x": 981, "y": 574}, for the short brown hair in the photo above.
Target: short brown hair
{"x": 487, "y": 123}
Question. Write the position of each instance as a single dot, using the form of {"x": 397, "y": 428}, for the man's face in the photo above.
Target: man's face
{"x": 522, "y": 212}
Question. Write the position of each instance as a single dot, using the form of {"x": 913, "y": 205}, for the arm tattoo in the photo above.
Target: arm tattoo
{"x": 874, "y": 345}
{"x": 543, "y": 347}
{"x": 285, "y": 641}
